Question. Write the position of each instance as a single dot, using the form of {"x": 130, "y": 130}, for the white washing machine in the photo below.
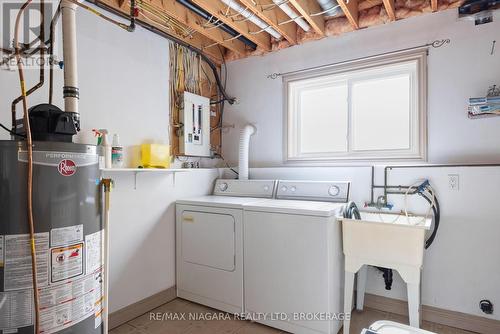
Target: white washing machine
{"x": 209, "y": 243}
{"x": 293, "y": 257}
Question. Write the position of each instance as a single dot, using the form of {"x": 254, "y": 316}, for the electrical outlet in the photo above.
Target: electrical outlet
{"x": 453, "y": 182}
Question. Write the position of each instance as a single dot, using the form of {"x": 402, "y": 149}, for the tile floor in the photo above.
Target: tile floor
{"x": 146, "y": 324}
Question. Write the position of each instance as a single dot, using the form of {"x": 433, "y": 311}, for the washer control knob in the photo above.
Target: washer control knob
{"x": 223, "y": 186}
{"x": 292, "y": 189}
{"x": 284, "y": 188}
{"x": 333, "y": 191}
{"x": 266, "y": 188}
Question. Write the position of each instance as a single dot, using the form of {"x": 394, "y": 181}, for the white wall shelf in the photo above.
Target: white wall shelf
{"x": 135, "y": 171}
{"x": 146, "y": 170}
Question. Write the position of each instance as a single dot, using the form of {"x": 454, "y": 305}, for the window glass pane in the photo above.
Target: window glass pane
{"x": 381, "y": 113}
{"x": 323, "y": 119}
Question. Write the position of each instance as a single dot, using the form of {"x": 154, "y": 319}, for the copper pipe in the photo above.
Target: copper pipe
{"x": 41, "y": 81}
{"x": 29, "y": 145}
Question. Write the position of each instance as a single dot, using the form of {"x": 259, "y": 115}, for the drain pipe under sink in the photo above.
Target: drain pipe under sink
{"x": 245, "y": 135}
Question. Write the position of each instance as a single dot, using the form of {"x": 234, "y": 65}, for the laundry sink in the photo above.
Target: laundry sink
{"x": 382, "y": 238}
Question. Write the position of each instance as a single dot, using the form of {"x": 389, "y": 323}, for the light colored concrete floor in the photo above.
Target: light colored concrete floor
{"x": 146, "y": 324}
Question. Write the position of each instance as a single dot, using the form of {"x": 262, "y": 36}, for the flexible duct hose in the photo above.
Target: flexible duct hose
{"x": 244, "y": 149}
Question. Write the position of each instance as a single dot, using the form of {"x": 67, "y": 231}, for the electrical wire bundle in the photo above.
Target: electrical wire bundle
{"x": 158, "y": 16}
{"x": 185, "y": 75}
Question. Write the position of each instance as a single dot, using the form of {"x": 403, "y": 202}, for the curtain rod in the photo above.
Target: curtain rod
{"x": 435, "y": 44}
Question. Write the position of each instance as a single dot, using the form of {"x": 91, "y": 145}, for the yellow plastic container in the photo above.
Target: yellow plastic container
{"x": 155, "y": 156}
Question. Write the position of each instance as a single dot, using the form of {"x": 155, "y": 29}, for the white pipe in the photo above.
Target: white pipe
{"x": 245, "y": 134}
{"x": 292, "y": 14}
{"x": 105, "y": 300}
{"x": 252, "y": 17}
{"x": 68, "y": 12}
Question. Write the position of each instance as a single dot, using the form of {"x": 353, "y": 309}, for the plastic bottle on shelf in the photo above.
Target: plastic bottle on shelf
{"x": 117, "y": 153}
{"x": 107, "y": 151}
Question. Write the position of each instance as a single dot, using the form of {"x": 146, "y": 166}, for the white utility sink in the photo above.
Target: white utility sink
{"x": 389, "y": 241}
{"x": 384, "y": 238}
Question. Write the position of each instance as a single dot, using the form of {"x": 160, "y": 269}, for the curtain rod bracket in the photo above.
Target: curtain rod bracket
{"x": 435, "y": 44}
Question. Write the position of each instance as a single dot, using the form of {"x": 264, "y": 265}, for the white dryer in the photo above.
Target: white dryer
{"x": 209, "y": 243}
{"x": 293, "y": 257}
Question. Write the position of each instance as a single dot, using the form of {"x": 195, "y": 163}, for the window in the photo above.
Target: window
{"x": 370, "y": 109}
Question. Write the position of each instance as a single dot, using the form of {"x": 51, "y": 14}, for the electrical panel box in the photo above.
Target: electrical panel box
{"x": 194, "y": 139}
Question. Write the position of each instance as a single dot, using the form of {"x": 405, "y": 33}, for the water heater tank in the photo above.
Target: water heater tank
{"x": 69, "y": 239}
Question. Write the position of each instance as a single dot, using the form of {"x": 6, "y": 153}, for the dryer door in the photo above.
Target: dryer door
{"x": 208, "y": 239}
{"x": 209, "y": 254}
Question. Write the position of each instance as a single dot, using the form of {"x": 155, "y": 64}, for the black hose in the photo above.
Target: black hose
{"x": 351, "y": 210}
{"x": 437, "y": 217}
{"x": 11, "y": 132}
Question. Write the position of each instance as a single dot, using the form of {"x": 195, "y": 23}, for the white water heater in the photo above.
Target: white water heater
{"x": 194, "y": 138}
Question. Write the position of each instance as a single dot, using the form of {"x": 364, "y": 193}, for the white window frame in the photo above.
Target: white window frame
{"x": 418, "y": 112}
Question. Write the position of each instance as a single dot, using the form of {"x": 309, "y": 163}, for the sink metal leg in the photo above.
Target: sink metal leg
{"x": 348, "y": 290}
{"x": 414, "y": 304}
{"x": 361, "y": 287}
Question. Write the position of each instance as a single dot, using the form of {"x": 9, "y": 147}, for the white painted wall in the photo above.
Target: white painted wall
{"x": 124, "y": 87}
{"x": 456, "y": 72}
{"x": 460, "y": 267}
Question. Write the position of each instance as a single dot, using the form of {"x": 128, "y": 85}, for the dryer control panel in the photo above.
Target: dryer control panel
{"x": 245, "y": 188}
{"x": 325, "y": 191}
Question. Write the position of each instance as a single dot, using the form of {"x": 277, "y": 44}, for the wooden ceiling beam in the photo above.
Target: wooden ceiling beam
{"x": 434, "y": 5}
{"x": 244, "y": 27}
{"x": 351, "y": 11}
{"x": 390, "y": 9}
{"x": 308, "y": 7}
{"x": 197, "y": 40}
{"x": 183, "y": 15}
{"x": 273, "y": 17}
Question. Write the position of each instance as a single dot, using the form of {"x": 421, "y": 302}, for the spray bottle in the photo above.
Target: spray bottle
{"x": 117, "y": 152}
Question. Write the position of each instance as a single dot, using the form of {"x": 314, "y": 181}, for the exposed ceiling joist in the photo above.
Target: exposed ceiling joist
{"x": 188, "y": 18}
{"x": 351, "y": 11}
{"x": 390, "y": 9}
{"x": 273, "y": 18}
{"x": 244, "y": 27}
{"x": 434, "y": 5}
{"x": 308, "y": 7}
{"x": 197, "y": 40}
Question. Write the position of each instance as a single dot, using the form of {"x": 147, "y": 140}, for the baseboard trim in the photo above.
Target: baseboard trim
{"x": 455, "y": 319}
{"x": 137, "y": 309}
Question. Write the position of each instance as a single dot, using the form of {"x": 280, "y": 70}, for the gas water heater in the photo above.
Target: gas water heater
{"x": 69, "y": 237}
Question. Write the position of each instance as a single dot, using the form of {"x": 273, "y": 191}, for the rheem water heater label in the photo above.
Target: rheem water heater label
{"x": 65, "y": 236}
{"x": 17, "y": 252}
{"x": 66, "y": 262}
{"x": 94, "y": 255}
{"x": 16, "y": 309}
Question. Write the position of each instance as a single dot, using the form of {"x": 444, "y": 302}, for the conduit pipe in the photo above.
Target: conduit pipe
{"x": 234, "y": 5}
{"x": 331, "y": 7}
{"x": 292, "y": 14}
{"x": 70, "y": 91}
{"x": 245, "y": 135}
{"x": 214, "y": 21}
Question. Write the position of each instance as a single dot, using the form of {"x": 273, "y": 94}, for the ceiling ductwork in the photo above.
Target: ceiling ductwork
{"x": 292, "y": 14}
{"x": 330, "y": 7}
{"x": 236, "y": 6}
